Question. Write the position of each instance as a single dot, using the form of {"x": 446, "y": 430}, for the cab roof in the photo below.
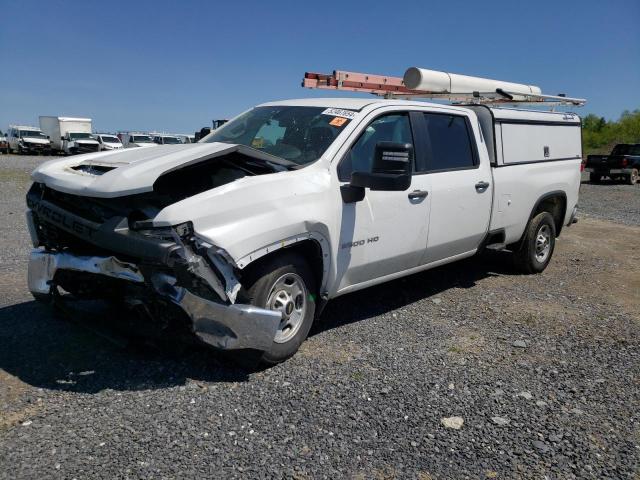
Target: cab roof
{"x": 24, "y": 127}
{"x": 360, "y": 103}
{"x": 352, "y": 103}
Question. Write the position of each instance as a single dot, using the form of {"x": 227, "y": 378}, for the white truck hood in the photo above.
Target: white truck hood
{"x": 131, "y": 171}
{"x": 143, "y": 144}
{"x": 39, "y": 141}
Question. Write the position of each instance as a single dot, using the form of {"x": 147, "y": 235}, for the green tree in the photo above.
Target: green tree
{"x": 600, "y": 136}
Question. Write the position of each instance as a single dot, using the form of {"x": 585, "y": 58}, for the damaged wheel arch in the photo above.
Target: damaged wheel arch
{"x": 312, "y": 246}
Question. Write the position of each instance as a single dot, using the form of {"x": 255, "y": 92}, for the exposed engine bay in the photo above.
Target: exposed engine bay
{"x": 95, "y": 247}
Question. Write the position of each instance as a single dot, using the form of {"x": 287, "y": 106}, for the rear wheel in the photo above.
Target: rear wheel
{"x": 632, "y": 178}
{"x": 537, "y": 247}
{"x": 595, "y": 177}
{"x": 285, "y": 284}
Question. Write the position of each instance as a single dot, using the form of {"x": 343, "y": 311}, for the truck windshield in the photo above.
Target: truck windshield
{"x": 626, "y": 150}
{"x": 171, "y": 140}
{"x": 79, "y": 135}
{"x": 141, "y": 139}
{"x": 32, "y": 134}
{"x": 298, "y": 134}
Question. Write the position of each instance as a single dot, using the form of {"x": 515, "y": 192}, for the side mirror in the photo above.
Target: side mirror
{"x": 61, "y": 138}
{"x": 391, "y": 169}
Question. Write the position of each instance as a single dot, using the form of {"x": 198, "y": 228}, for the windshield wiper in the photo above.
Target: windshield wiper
{"x": 274, "y": 159}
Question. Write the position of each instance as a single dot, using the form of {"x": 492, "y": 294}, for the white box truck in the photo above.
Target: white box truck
{"x": 243, "y": 238}
{"x": 69, "y": 135}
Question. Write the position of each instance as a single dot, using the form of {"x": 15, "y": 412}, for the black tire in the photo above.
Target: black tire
{"x": 632, "y": 178}
{"x": 595, "y": 177}
{"x": 259, "y": 283}
{"x": 529, "y": 257}
{"x": 45, "y": 298}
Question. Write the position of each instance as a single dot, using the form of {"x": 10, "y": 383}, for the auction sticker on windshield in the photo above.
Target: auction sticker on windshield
{"x": 338, "y": 121}
{"x": 339, "y": 112}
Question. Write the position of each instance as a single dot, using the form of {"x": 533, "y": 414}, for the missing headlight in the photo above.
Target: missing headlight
{"x": 146, "y": 228}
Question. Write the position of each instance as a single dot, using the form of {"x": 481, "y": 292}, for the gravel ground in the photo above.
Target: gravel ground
{"x": 611, "y": 201}
{"x": 543, "y": 372}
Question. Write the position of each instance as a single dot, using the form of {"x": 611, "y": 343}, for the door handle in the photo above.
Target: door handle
{"x": 482, "y": 186}
{"x": 418, "y": 194}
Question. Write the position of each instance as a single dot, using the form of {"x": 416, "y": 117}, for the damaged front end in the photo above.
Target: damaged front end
{"x": 97, "y": 249}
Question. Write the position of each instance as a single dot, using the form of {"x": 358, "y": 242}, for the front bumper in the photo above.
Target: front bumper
{"x": 28, "y": 147}
{"x": 223, "y": 326}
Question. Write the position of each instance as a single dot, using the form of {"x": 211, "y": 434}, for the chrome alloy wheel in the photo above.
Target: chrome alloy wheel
{"x": 543, "y": 243}
{"x": 289, "y": 296}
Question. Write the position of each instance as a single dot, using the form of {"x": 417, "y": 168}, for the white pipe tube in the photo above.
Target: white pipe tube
{"x": 442, "y": 82}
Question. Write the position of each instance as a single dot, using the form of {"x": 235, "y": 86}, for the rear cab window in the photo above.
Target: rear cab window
{"x": 624, "y": 149}
{"x": 446, "y": 143}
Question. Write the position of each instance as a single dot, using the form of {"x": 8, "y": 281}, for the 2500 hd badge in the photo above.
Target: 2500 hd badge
{"x": 359, "y": 243}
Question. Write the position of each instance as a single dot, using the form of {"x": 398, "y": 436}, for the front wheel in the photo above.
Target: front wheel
{"x": 286, "y": 284}
{"x": 538, "y": 244}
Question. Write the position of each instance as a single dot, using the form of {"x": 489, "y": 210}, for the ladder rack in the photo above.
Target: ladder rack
{"x": 394, "y": 87}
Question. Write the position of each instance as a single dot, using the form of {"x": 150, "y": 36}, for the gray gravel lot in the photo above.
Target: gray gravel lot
{"x": 543, "y": 370}
{"x": 611, "y": 201}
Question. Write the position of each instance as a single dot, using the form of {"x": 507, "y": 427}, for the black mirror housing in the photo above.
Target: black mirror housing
{"x": 391, "y": 170}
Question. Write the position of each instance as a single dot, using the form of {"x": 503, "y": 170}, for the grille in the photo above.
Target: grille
{"x": 54, "y": 237}
{"x": 36, "y": 146}
{"x": 82, "y": 206}
{"x": 87, "y": 148}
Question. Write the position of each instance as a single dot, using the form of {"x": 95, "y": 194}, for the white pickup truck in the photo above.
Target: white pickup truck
{"x": 243, "y": 237}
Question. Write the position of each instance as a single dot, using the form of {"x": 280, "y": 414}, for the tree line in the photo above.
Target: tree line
{"x": 600, "y": 136}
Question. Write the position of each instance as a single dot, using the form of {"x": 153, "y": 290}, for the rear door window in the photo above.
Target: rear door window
{"x": 447, "y": 143}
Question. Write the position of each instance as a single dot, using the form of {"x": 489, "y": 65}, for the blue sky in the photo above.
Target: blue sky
{"x": 174, "y": 66}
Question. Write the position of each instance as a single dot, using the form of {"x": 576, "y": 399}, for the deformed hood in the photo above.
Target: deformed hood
{"x": 39, "y": 141}
{"x": 128, "y": 171}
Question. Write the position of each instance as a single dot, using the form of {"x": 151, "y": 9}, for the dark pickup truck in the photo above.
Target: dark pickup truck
{"x": 623, "y": 163}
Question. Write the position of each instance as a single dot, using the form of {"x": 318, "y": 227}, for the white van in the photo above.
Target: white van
{"x": 108, "y": 141}
{"x": 132, "y": 140}
{"x": 163, "y": 139}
